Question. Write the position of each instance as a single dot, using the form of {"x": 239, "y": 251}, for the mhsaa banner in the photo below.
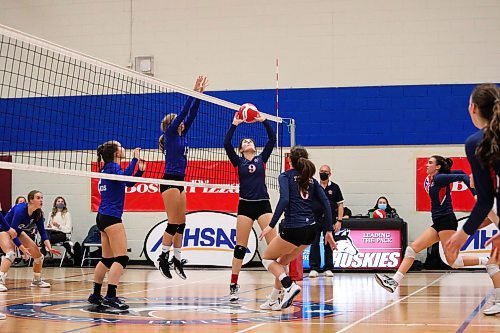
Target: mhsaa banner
{"x": 209, "y": 240}
{"x": 147, "y": 197}
{"x": 462, "y": 199}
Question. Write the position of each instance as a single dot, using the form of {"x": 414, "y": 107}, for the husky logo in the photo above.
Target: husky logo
{"x": 344, "y": 242}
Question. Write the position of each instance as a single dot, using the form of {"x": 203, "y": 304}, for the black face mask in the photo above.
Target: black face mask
{"x": 323, "y": 176}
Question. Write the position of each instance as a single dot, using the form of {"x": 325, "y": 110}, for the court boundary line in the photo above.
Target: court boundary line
{"x": 474, "y": 312}
{"x": 348, "y": 327}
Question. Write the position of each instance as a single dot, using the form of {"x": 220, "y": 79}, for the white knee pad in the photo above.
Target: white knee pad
{"x": 410, "y": 253}
{"x": 38, "y": 260}
{"x": 459, "y": 263}
{"x": 10, "y": 256}
{"x": 267, "y": 263}
{"x": 492, "y": 269}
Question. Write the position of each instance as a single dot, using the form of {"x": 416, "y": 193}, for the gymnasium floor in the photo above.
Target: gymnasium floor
{"x": 348, "y": 302}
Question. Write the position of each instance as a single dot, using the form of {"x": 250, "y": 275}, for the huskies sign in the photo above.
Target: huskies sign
{"x": 364, "y": 249}
{"x": 209, "y": 240}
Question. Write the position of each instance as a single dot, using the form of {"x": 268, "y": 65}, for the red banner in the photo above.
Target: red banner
{"x": 147, "y": 197}
{"x": 462, "y": 198}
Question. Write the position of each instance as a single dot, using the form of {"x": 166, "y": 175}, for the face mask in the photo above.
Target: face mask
{"x": 323, "y": 176}
{"x": 60, "y": 205}
{"x": 382, "y": 206}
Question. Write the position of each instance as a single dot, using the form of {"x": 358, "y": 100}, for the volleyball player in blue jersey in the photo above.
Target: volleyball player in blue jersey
{"x": 297, "y": 231}
{"x": 439, "y": 180}
{"x": 109, "y": 221}
{"x": 21, "y": 219}
{"x": 483, "y": 152}
{"x": 254, "y": 199}
{"x": 173, "y": 143}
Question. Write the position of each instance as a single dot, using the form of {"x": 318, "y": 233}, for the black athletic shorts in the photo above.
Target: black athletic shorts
{"x": 254, "y": 209}
{"x": 163, "y": 187}
{"x": 104, "y": 221}
{"x": 299, "y": 236}
{"x": 447, "y": 222}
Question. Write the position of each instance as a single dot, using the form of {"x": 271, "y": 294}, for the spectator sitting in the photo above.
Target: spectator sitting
{"x": 347, "y": 213}
{"x": 383, "y": 204}
{"x": 59, "y": 224}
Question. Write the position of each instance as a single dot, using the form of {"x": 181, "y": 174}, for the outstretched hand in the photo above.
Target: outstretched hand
{"x": 237, "y": 120}
{"x": 265, "y": 232}
{"x": 201, "y": 84}
{"x": 137, "y": 153}
{"x": 259, "y": 118}
{"x": 142, "y": 164}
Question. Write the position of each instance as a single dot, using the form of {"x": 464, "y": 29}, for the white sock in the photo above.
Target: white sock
{"x": 483, "y": 261}
{"x": 398, "y": 277}
{"x": 165, "y": 248}
{"x": 37, "y": 276}
{"x": 177, "y": 253}
{"x": 275, "y": 293}
{"x": 497, "y": 295}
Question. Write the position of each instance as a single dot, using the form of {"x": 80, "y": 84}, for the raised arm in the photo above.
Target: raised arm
{"x": 235, "y": 160}
{"x": 443, "y": 179}
{"x": 200, "y": 86}
{"x": 174, "y": 125}
{"x": 485, "y": 190}
{"x": 271, "y": 141}
{"x": 283, "y": 201}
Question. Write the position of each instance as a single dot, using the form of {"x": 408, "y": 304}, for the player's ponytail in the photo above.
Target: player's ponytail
{"x": 487, "y": 99}
{"x": 106, "y": 152}
{"x": 445, "y": 163}
{"x": 165, "y": 122}
{"x": 299, "y": 158}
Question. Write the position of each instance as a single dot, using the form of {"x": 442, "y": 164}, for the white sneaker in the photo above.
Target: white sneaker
{"x": 288, "y": 297}
{"x": 313, "y": 274}
{"x": 492, "y": 310}
{"x": 233, "y": 292}
{"x": 328, "y": 273}
{"x": 270, "y": 303}
{"x": 40, "y": 283}
{"x": 386, "y": 282}
{"x": 2, "y": 283}
{"x": 3, "y": 316}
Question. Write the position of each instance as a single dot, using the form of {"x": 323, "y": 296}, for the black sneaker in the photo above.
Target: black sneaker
{"x": 95, "y": 299}
{"x": 179, "y": 267}
{"x": 233, "y": 292}
{"x": 164, "y": 265}
{"x": 115, "y": 302}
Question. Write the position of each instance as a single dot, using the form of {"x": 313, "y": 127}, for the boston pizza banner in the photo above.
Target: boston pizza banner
{"x": 147, "y": 197}
{"x": 462, "y": 198}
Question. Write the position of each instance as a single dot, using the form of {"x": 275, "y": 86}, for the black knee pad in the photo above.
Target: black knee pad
{"x": 180, "y": 228}
{"x": 171, "y": 229}
{"x": 122, "y": 260}
{"x": 239, "y": 252}
{"x": 108, "y": 262}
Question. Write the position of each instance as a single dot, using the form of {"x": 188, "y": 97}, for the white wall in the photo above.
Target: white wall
{"x": 319, "y": 43}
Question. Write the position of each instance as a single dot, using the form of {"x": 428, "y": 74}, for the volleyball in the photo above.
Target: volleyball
{"x": 248, "y": 112}
{"x": 379, "y": 214}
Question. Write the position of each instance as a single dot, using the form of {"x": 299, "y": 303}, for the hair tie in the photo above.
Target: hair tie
{"x": 496, "y": 101}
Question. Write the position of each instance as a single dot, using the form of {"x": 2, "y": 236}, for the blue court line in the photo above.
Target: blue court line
{"x": 474, "y": 313}
{"x": 81, "y": 328}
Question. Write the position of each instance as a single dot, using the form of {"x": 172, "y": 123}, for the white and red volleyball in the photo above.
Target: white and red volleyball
{"x": 379, "y": 214}
{"x": 248, "y": 112}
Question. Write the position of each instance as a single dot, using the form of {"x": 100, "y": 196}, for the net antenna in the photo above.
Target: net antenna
{"x": 58, "y": 105}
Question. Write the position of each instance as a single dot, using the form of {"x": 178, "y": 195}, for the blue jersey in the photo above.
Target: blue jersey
{"x": 113, "y": 191}
{"x": 440, "y": 191}
{"x": 19, "y": 219}
{"x": 251, "y": 173}
{"x": 175, "y": 145}
{"x": 296, "y": 205}
{"x": 486, "y": 183}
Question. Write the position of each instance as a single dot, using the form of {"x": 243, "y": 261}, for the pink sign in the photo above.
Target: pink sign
{"x": 367, "y": 249}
